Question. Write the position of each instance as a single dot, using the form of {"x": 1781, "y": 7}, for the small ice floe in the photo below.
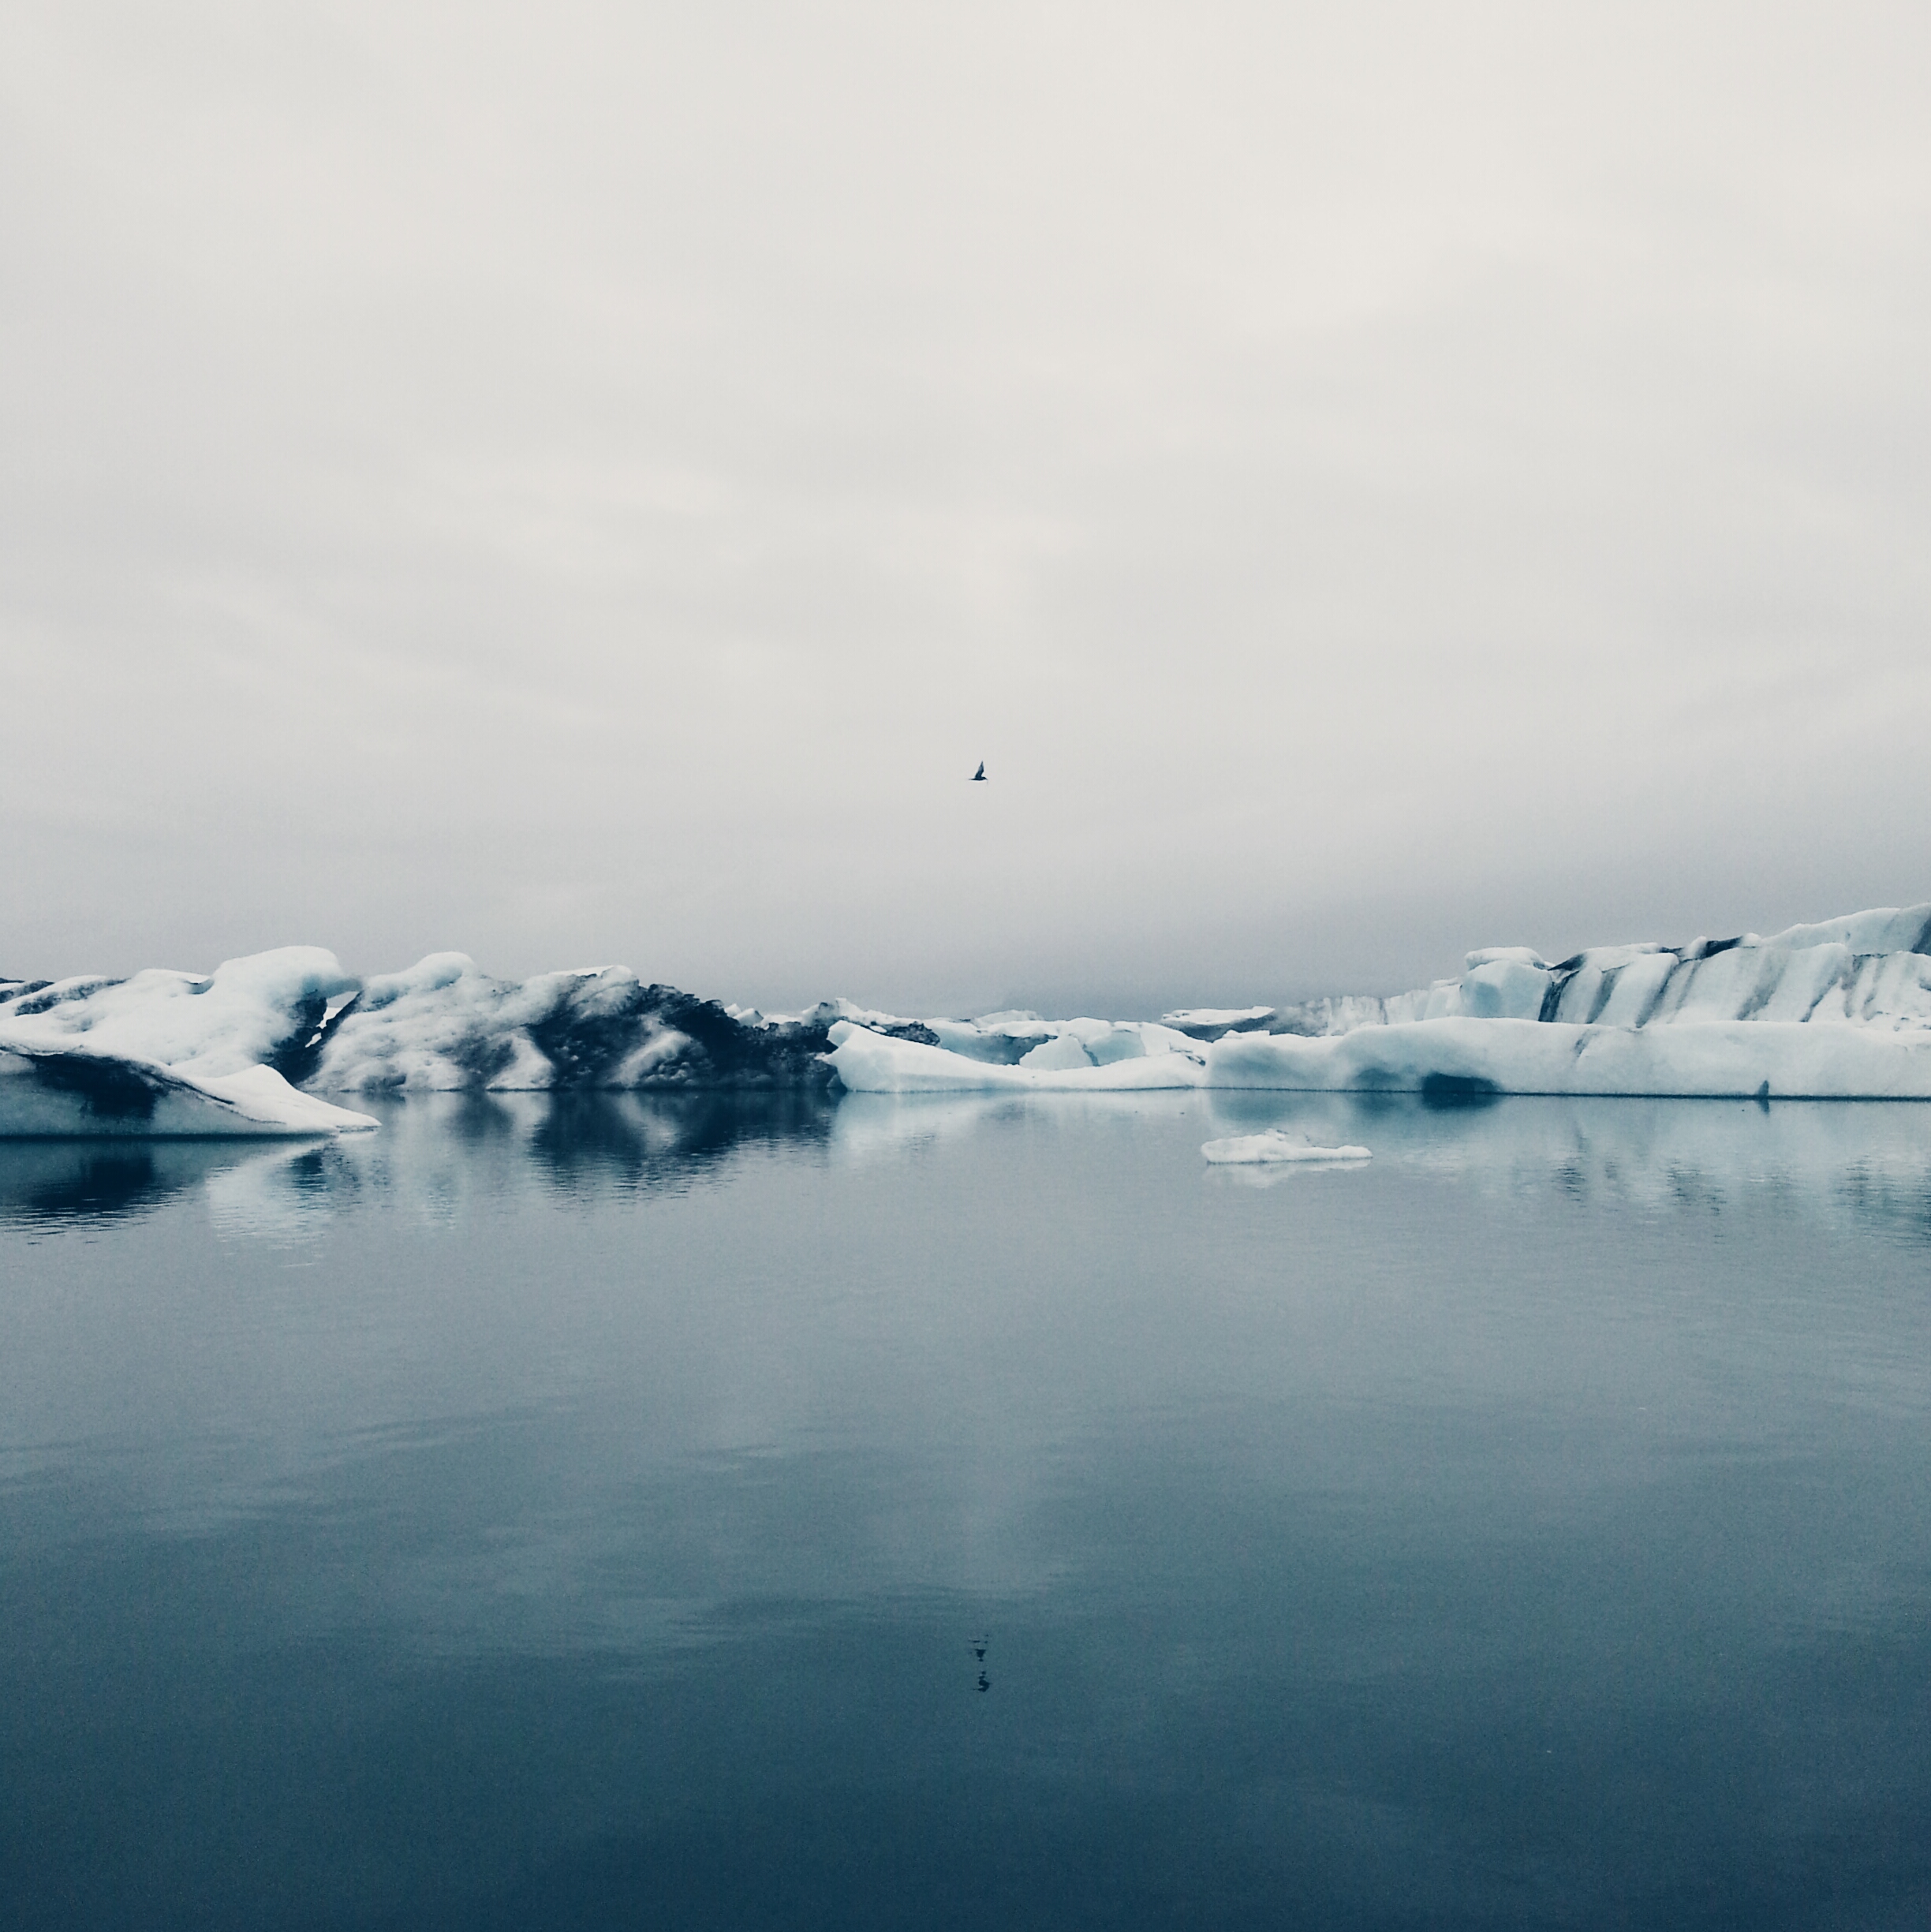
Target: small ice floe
{"x": 1273, "y": 1145}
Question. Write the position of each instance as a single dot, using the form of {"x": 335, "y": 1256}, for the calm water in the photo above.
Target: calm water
{"x": 534, "y": 1517}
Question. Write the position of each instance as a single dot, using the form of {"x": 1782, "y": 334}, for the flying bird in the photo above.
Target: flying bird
{"x": 979, "y": 776}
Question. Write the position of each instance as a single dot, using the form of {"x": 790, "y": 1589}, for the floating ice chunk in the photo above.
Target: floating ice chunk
{"x": 870, "y": 1062}
{"x": 1275, "y": 1145}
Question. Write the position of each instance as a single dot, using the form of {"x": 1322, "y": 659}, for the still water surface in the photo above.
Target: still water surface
{"x": 587, "y": 1514}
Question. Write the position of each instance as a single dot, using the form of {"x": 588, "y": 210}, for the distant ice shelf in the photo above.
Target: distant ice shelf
{"x": 1840, "y": 1010}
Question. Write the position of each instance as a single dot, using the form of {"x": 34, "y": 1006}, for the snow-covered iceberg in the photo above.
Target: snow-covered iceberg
{"x": 250, "y": 1048}
{"x": 168, "y": 1053}
{"x": 446, "y": 1026}
{"x": 1839, "y": 1009}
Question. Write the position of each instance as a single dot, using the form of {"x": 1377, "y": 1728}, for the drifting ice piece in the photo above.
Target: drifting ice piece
{"x": 1275, "y": 1145}
{"x": 870, "y": 1062}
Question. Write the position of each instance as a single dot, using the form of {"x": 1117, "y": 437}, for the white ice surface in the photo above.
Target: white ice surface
{"x": 1273, "y": 1145}
{"x": 424, "y": 1030}
{"x": 195, "y": 1041}
{"x": 194, "y": 1024}
{"x": 868, "y": 1063}
{"x": 445, "y": 1025}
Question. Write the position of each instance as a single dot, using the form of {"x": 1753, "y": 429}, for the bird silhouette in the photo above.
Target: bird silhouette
{"x": 978, "y": 777}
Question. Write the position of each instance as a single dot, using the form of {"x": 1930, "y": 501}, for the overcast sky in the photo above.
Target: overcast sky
{"x": 588, "y": 483}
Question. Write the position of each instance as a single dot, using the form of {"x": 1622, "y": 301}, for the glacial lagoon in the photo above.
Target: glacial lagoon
{"x": 591, "y": 1512}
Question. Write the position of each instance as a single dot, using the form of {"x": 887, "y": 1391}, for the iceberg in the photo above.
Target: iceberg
{"x": 1837, "y": 1010}
{"x": 446, "y": 1026}
{"x": 1081, "y": 1056}
{"x": 252, "y": 1047}
{"x": 172, "y": 1054}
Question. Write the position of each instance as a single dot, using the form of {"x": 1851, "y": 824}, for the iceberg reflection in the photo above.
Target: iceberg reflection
{"x": 442, "y": 1157}
{"x": 53, "y": 1181}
